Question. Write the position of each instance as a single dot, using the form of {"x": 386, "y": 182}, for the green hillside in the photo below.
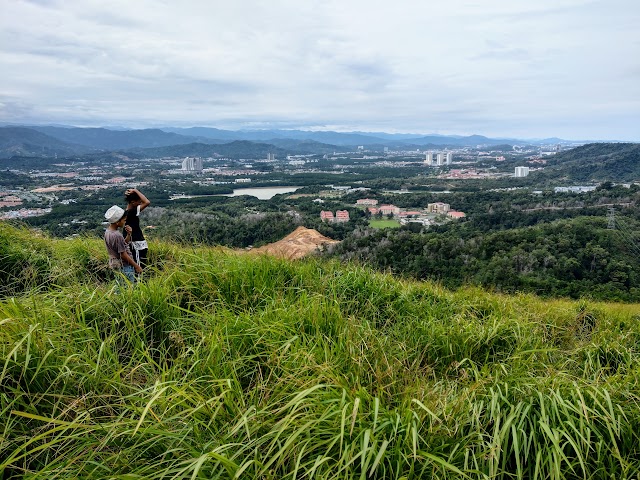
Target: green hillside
{"x": 596, "y": 162}
{"x": 223, "y": 365}
{"x": 235, "y": 149}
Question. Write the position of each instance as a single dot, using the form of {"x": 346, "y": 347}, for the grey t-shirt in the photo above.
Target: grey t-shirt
{"x": 114, "y": 241}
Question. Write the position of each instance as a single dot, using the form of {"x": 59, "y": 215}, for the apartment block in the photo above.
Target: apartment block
{"x": 438, "y": 207}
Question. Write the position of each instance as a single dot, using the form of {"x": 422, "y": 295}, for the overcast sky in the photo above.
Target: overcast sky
{"x": 512, "y": 68}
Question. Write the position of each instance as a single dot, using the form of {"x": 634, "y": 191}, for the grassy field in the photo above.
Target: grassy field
{"x": 227, "y": 366}
{"x": 384, "y": 223}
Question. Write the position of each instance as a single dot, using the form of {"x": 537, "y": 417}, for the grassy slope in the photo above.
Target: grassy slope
{"x": 222, "y": 365}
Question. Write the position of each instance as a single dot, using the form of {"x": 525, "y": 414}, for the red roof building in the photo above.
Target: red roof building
{"x": 389, "y": 209}
{"x": 326, "y": 215}
{"x": 454, "y": 214}
{"x": 342, "y": 216}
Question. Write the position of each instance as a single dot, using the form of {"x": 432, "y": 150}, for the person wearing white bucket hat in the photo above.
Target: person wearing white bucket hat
{"x": 119, "y": 258}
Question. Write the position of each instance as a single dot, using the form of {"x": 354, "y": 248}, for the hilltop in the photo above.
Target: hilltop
{"x": 222, "y": 365}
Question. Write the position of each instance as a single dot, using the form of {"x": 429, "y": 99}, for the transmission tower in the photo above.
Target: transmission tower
{"x": 611, "y": 217}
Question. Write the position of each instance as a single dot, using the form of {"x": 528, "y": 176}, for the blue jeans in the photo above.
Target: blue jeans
{"x": 130, "y": 273}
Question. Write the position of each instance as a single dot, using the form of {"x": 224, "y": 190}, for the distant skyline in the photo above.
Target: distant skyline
{"x": 521, "y": 69}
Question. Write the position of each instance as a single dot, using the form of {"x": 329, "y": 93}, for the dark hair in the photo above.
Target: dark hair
{"x": 131, "y": 197}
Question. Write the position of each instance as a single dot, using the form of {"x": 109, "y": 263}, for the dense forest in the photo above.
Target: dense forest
{"x": 577, "y": 257}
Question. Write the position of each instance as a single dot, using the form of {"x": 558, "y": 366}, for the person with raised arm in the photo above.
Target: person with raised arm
{"x": 136, "y": 203}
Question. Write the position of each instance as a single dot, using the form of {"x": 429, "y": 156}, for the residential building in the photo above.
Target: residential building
{"x": 429, "y": 159}
{"x": 366, "y": 201}
{"x": 454, "y": 214}
{"x": 192, "y": 165}
{"x": 438, "y": 207}
{"x": 521, "y": 172}
{"x": 326, "y": 216}
{"x": 342, "y": 216}
{"x": 389, "y": 210}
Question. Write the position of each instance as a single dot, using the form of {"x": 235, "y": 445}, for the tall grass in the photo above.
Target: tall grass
{"x": 225, "y": 366}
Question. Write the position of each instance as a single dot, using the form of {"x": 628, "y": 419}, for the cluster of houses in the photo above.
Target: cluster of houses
{"x": 425, "y": 217}
{"x": 406, "y": 216}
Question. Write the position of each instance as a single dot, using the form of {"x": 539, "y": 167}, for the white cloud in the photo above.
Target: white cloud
{"x": 566, "y": 67}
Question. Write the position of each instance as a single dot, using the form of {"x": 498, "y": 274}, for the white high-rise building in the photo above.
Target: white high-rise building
{"x": 449, "y": 157}
{"x": 440, "y": 159}
{"x": 521, "y": 172}
{"x": 429, "y": 159}
{"x": 190, "y": 164}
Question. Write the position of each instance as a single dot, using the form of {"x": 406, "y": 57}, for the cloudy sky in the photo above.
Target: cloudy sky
{"x": 519, "y": 68}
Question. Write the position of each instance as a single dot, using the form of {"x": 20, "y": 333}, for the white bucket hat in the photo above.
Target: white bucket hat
{"x": 114, "y": 214}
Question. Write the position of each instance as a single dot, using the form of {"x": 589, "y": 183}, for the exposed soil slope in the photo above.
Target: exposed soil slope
{"x": 302, "y": 241}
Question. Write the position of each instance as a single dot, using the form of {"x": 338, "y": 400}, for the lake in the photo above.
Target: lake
{"x": 262, "y": 193}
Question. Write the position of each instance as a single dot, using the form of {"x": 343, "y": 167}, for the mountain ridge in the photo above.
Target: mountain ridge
{"x": 101, "y": 138}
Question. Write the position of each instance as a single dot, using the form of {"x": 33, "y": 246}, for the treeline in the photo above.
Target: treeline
{"x": 573, "y": 258}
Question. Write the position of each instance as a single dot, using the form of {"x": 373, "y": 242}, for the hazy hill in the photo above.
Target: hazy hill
{"x": 236, "y": 149}
{"x": 306, "y": 146}
{"x": 456, "y": 141}
{"x": 119, "y": 139}
{"x": 106, "y": 139}
{"x": 596, "y": 162}
{"x": 220, "y": 365}
{"x": 347, "y": 139}
{"x": 331, "y": 138}
{"x": 21, "y": 141}
{"x": 206, "y": 132}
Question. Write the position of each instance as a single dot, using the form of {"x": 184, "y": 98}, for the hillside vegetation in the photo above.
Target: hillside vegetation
{"x": 596, "y": 162}
{"x": 577, "y": 257}
{"x": 222, "y": 365}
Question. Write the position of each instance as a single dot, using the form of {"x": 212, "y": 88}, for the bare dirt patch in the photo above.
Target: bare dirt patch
{"x": 299, "y": 243}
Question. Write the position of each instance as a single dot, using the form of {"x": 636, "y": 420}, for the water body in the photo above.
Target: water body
{"x": 262, "y": 193}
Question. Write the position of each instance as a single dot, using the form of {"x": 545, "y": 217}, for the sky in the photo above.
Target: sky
{"x": 518, "y": 68}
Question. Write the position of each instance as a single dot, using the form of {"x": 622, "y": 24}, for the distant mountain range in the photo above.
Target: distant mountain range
{"x": 65, "y": 141}
{"x": 21, "y": 141}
